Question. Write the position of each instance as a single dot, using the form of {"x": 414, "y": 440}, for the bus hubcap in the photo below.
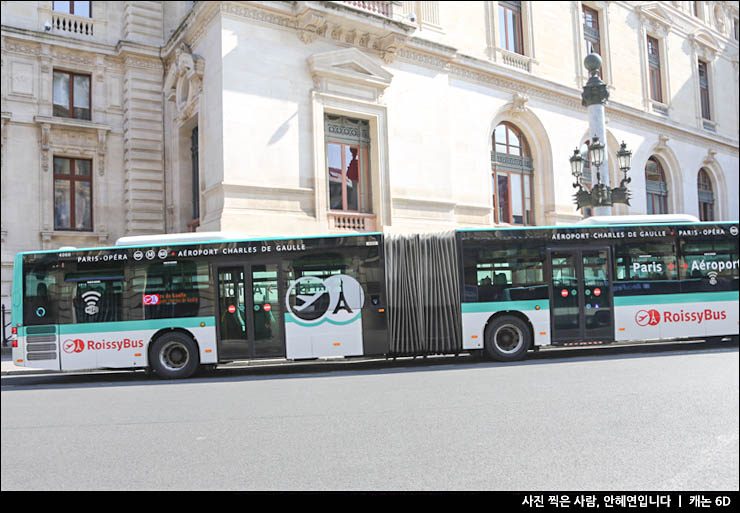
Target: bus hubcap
{"x": 174, "y": 356}
{"x": 508, "y": 338}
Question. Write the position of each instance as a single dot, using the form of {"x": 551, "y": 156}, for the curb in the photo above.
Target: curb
{"x": 28, "y": 372}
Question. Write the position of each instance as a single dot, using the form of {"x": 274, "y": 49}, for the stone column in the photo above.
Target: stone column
{"x": 595, "y": 95}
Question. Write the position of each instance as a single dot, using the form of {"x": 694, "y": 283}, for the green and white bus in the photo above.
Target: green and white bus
{"x": 174, "y": 303}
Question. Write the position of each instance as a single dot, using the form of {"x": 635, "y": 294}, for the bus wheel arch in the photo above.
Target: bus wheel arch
{"x": 508, "y": 335}
{"x": 174, "y": 353}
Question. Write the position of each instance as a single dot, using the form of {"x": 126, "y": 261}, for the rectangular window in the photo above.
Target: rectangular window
{"x": 510, "y": 26}
{"x": 656, "y": 86}
{"x": 348, "y": 166}
{"x": 71, "y": 95}
{"x": 706, "y": 211}
{"x": 513, "y": 274}
{"x": 96, "y": 291}
{"x": 40, "y": 294}
{"x": 317, "y": 266}
{"x": 591, "y": 34}
{"x": 512, "y": 197}
{"x": 72, "y": 194}
{"x": 646, "y": 268}
{"x": 528, "y": 217}
{"x": 704, "y": 90}
{"x": 194, "y": 159}
{"x": 169, "y": 289}
{"x": 517, "y": 206}
{"x": 504, "y": 214}
{"x": 709, "y": 265}
{"x": 77, "y": 8}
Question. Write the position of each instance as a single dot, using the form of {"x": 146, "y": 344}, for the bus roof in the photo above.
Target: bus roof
{"x": 640, "y": 219}
{"x": 181, "y": 239}
{"x": 159, "y": 240}
{"x": 189, "y": 237}
{"x": 624, "y": 223}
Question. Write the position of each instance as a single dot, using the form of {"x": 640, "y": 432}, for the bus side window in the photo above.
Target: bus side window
{"x": 504, "y": 274}
{"x": 41, "y": 295}
{"x": 646, "y": 267}
{"x": 709, "y": 265}
{"x": 95, "y": 293}
{"x": 169, "y": 290}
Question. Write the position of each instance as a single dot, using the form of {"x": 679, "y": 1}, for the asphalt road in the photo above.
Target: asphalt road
{"x": 647, "y": 418}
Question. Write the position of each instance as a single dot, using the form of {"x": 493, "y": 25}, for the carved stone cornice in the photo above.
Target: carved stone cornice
{"x": 655, "y": 17}
{"x": 183, "y": 83}
{"x": 72, "y": 137}
{"x": 704, "y": 45}
{"x": 344, "y": 24}
{"x": 352, "y": 68}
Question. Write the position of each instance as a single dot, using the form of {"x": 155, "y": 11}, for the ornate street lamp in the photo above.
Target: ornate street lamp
{"x": 576, "y": 165}
{"x": 624, "y": 156}
{"x": 595, "y": 95}
{"x": 621, "y": 194}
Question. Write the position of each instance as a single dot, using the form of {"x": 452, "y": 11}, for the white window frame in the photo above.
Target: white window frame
{"x": 524, "y": 62}
{"x": 654, "y": 23}
{"x": 602, "y": 8}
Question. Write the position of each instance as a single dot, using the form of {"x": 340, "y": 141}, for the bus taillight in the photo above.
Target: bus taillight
{"x": 14, "y": 330}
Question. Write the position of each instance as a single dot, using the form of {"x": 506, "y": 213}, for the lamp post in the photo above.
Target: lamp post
{"x": 601, "y": 196}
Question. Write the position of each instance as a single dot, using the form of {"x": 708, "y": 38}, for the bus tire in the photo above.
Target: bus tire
{"x": 174, "y": 355}
{"x": 507, "y": 339}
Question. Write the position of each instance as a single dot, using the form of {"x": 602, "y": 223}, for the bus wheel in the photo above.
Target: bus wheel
{"x": 507, "y": 339}
{"x": 174, "y": 355}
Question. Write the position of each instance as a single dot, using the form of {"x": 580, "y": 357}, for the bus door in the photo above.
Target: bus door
{"x": 581, "y": 291}
{"x": 250, "y": 322}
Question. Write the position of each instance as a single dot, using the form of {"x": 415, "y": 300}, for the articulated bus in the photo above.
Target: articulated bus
{"x": 172, "y": 305}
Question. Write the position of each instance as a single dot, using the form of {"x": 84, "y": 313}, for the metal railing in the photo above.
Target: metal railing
{"x": 6, "y": 335}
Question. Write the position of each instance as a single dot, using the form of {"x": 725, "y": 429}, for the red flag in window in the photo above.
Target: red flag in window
{"x": 353, "y": 170}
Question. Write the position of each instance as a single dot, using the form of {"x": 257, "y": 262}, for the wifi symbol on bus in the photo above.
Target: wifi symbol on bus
{"x": 712, "y": 277}
{"x": 91, "y": 299}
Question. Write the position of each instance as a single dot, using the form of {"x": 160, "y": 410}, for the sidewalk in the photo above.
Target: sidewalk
{"x": 8, "y": 369}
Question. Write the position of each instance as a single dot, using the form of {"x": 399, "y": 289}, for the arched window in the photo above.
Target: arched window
{"x": 706, "y": 196}
{"x": 512, "y": 175}
{"x": 656, "y": 187}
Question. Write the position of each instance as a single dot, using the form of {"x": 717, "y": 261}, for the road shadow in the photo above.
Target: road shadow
{"x": 342, "y": 368}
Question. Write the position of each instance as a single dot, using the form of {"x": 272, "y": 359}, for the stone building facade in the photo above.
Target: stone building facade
{"x": 283, "y": 118}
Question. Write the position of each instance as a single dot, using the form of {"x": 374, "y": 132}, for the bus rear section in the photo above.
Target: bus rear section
{"x": 587, "y": 285}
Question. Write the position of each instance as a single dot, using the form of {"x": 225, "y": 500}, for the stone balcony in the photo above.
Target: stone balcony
{"x": 379, "y": 8}
{"x": 351, "y": 221}
{"x": 69, "y": 24}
